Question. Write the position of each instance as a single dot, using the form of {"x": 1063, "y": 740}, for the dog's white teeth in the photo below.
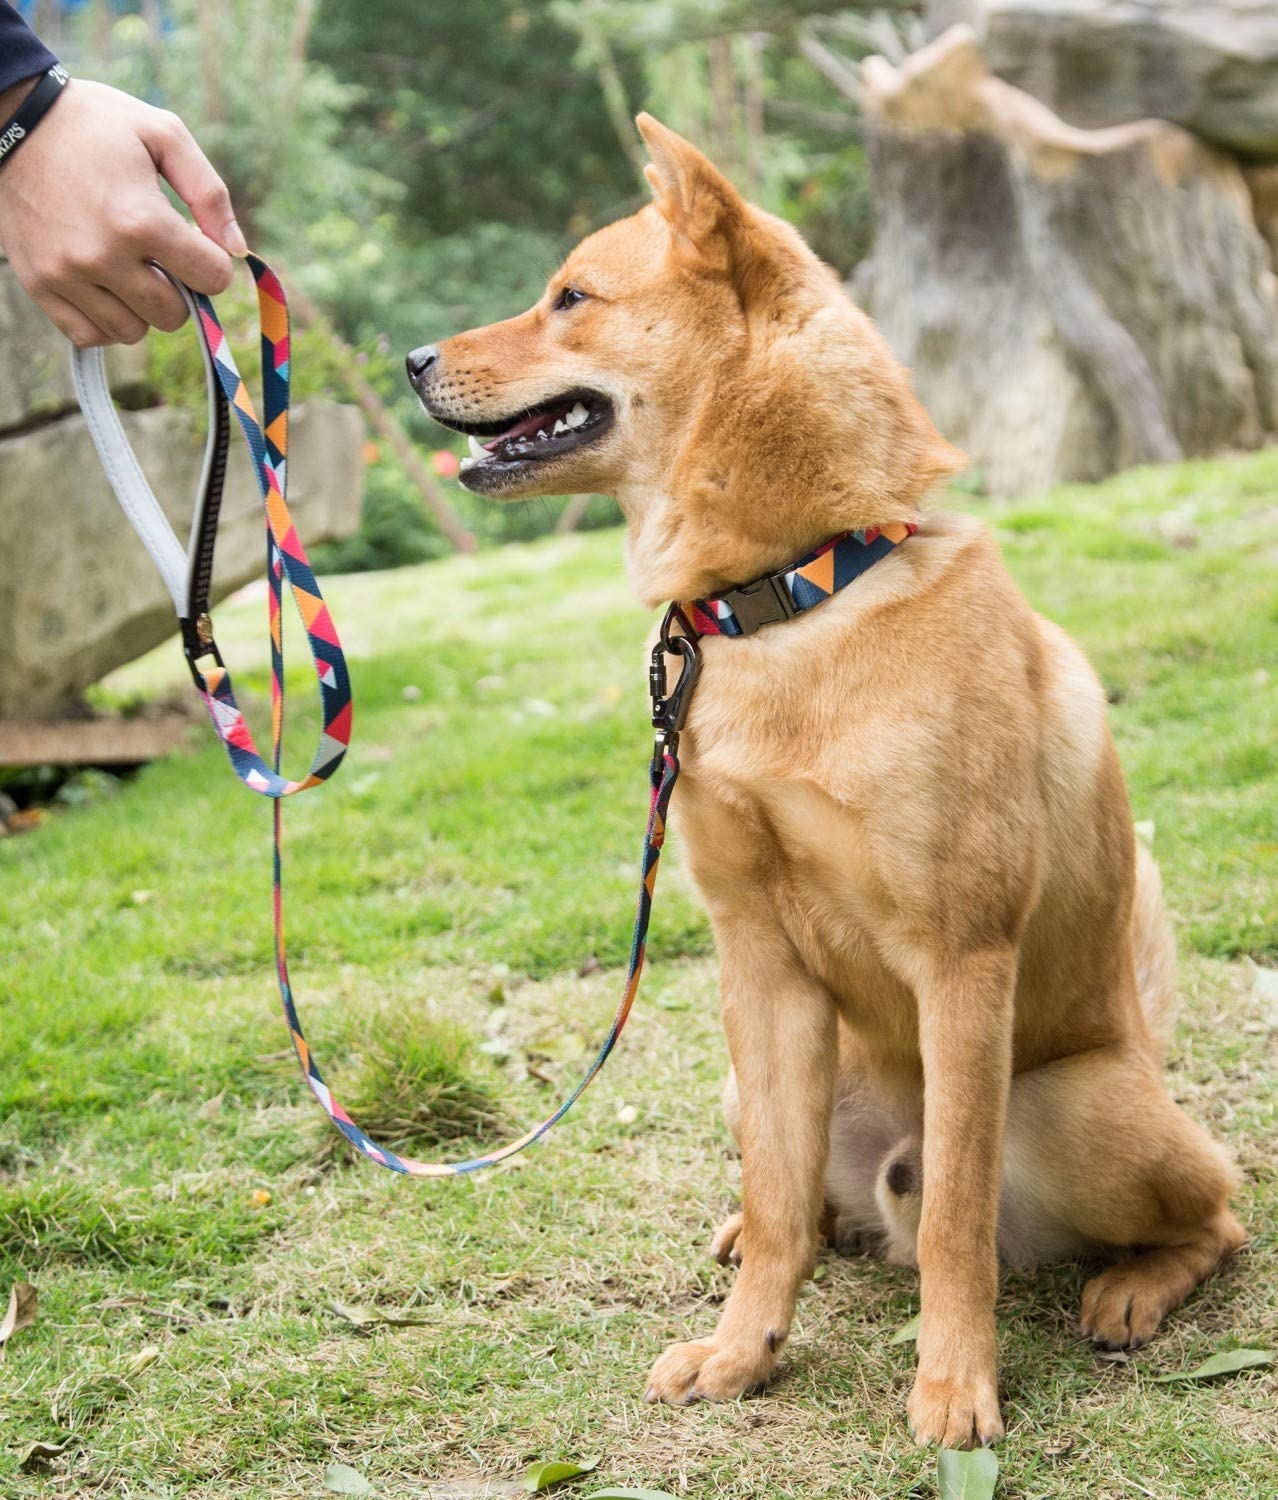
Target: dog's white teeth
{"x": 542, "y": 435}
{"x": 477, "y": 449}
{"x": 560, "y": 426}
{"x": 577, "y": 415}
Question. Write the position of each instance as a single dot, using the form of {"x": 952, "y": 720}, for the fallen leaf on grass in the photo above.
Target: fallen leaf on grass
{"x": 370, "y": 1317}
{"x": 21, "y": 1314}
{"x": 630, "y": 1495}
{"x": 967, "y": 1476}
{"x": 541, "y": 1476}
{"x": 138, "y": 1362}
{"x": 341, "y": 1479}
{"x": 907, "y": 1333}
{"x": 1228, "y": 1363}
{"x": 39, "y": 1455}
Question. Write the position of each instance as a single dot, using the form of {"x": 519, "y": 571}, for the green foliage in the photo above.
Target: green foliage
{"x": 478, "y": 111}
{"x": 378, "y": 288}
{"x": 270, "y": 116}
{"x": 175, "y": 364}
{"x": 395, "y": 530}
{"x": 830, "y": 203}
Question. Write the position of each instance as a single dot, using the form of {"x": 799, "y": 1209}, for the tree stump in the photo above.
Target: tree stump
{"x": 1209, "y": 65}
{"x": 1071, "y": 301}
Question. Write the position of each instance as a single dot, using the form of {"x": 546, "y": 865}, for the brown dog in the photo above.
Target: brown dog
{"x": 946, "y": 969}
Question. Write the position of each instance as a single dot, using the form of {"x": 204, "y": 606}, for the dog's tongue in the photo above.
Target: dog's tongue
{"x": 525, "y": 428}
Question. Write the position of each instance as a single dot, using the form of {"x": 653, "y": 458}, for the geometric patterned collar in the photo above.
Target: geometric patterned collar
{"x": 788, "y": 592}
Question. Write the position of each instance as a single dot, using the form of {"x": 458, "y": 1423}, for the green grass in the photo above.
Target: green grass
{"x": 160, "y": 1178}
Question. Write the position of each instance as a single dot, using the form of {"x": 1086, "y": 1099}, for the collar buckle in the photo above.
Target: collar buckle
{"x": 767, "y": 601}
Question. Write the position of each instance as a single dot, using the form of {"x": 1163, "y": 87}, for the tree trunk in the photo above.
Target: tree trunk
{"x": 1070, "y": 302}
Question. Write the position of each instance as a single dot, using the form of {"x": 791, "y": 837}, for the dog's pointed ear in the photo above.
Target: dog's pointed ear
{"x": 708, "y": 219}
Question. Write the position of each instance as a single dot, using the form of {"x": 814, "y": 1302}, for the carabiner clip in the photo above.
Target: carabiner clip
{"x": 670, "y": 709}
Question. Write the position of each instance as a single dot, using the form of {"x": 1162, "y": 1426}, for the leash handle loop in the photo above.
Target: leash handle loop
{"x": 286, "y": 560}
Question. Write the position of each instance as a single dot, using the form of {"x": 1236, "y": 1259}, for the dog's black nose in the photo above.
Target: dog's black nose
{"x": 420, "y": 360}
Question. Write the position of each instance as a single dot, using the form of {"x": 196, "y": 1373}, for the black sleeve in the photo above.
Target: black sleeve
{"x": 22, "y": 53}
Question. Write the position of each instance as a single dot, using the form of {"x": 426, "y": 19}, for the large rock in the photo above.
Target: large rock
{"x": 1209, "y": 65}
{"x": 1070, "y": 301}
{"x": 79, "y": 595}
{"x": 35, "y": 373}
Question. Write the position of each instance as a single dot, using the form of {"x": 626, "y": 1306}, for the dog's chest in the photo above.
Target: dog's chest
{"x": 773, "y": 836}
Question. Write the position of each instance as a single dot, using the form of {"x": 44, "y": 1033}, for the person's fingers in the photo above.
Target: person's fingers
{"x": 191, "y": 256}
{"x": 104, "y": 308}
{"x": 82, "y": 331}
{"x": 191, "y": 175}
{"x": 149, "y": 293}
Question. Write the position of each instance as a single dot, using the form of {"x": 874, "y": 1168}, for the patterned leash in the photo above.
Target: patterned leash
{"x": 188, "y": 576}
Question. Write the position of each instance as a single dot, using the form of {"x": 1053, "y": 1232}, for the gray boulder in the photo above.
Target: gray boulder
{"x": 78, "y": 594}
{"x": 35, "y": 374}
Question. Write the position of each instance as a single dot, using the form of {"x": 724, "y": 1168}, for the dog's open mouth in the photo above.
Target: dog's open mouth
{"x": 536, "y": 435}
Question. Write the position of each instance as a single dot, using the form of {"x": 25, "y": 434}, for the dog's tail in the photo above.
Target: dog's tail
{"x": 1154, "y": 950}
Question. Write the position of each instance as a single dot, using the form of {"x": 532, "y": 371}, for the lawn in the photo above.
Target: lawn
{"x": 459, "y": 909}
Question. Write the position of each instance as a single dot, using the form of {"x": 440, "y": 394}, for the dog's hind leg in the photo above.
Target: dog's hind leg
{"x": 781, "y": 1033}
{"x": 866, "y": 1122}
{"x": 725, "y": 1242}
{"x": 1116, "y": 1159}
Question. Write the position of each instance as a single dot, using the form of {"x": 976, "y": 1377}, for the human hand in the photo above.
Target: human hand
{"x": 82, "y": 213}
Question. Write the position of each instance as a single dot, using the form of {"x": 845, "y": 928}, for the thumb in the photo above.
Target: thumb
{"x": 189, "y": 172}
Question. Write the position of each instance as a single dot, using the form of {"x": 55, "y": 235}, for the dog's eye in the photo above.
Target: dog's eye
{"x": 569, "y": 297}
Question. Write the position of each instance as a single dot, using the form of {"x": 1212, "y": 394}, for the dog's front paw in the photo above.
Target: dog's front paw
{"x": 706, "y": 1370}
{"x": 956, "y": 1413}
